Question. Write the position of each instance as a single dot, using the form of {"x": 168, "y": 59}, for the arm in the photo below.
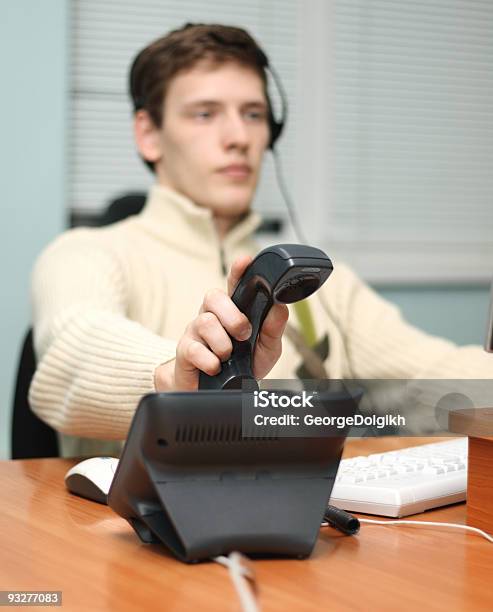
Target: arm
{"x": 379, "y": 343}
{"x": 94, "y": 364}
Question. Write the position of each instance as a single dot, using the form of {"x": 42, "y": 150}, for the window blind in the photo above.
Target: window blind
{"x": 413, "y": 138}
{"x": 389, "y": 145}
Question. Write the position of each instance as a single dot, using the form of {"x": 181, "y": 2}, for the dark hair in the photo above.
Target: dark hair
{"x": 155, "y": 66}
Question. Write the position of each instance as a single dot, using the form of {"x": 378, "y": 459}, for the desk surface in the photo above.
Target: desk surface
{"x": 51, "y": 540}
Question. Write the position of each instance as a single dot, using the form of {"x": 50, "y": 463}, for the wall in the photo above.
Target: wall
{"x": 33, "y": 62}
{"x": 457, "y": 313}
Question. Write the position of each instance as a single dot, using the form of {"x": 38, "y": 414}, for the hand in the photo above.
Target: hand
{"x": 205, "y": 343}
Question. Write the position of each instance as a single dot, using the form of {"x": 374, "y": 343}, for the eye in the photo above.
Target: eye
{"x": 255, "y": 115}
{"x": 203, "y": 115}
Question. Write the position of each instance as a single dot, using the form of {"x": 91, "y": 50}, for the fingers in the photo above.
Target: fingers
{"x": 239, "y": 266}
{"x": 228, "y": 315}
{"x": 207, "y": 329}
{"x": 192, "y": 356}
{"x": 206, "y": 341}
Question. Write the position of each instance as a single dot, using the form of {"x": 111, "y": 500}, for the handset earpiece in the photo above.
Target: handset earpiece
{"x": 284, "y": 273}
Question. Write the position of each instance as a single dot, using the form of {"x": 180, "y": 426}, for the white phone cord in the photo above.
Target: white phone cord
{"x": 433, "y": 523}
{"x": 240, "y": 578}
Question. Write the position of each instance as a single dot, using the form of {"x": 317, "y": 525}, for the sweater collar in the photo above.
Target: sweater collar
{"x": 174, "y": 218}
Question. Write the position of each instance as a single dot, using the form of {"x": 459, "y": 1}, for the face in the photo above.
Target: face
{"x": 213, "y": 136}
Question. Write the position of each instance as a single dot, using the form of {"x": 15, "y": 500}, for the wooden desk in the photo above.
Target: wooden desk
{"x": 51, "y": 540}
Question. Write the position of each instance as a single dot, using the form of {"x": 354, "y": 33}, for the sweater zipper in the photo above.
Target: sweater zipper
{"x": 223, "y": 263}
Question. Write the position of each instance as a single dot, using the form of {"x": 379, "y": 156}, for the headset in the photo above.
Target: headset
{"x": 276, "y": 126}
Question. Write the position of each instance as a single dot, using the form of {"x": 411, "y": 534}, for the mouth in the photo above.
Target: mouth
{"x": 238, "y": 171}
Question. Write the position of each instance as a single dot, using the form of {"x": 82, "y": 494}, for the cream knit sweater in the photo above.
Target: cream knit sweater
{"x": 109, "y": 305}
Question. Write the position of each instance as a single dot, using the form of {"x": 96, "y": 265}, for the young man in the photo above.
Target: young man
{"x": 143, "y": 305}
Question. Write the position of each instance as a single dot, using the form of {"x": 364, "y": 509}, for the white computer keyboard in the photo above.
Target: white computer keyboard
{"x": 403, "y": 482}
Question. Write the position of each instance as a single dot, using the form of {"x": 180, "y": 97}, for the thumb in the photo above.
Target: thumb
{"x": 238, "y": 268}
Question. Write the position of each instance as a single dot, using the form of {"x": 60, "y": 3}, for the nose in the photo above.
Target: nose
{"x": 235, "y": 132}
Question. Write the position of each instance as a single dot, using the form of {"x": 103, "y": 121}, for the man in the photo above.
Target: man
{"x": 143, "y": 305}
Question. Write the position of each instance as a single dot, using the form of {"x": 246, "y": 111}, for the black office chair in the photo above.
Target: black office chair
{"x": 30, "y": 437}
{"x": 123, "y": 207}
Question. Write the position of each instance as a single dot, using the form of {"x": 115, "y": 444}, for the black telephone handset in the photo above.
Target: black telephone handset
{"x": 284, "y": 273}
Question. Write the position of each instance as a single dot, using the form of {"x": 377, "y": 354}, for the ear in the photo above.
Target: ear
{"x": 147, "y": 136}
